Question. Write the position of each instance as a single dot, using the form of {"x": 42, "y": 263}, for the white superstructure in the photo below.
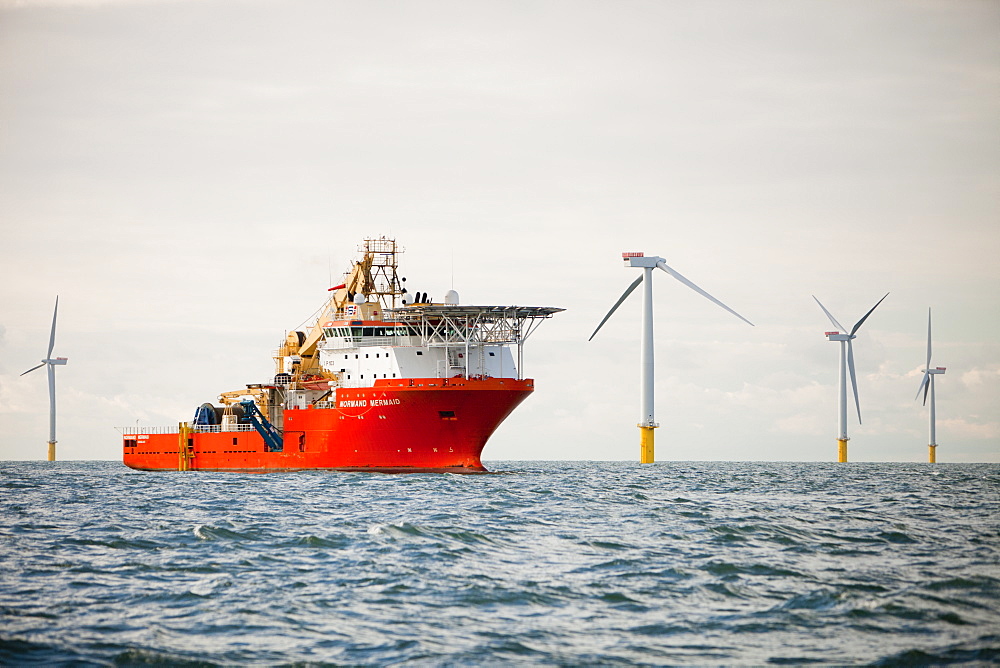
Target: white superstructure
{"x": 429, "y": 341}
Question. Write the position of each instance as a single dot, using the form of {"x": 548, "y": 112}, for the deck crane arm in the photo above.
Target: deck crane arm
{"x": 359, "y": 281}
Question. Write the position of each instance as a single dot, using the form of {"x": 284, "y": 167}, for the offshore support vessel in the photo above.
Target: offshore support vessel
{"x": 386, "y": 380}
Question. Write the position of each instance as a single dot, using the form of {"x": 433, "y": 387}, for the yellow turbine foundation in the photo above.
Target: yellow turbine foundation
{"x": 841, "y": 449}
{"x": 932, "y": 452}
{"x": 52, "y": 451}
{"x": 646, "y": 445}
{"x": 184, "y": 460}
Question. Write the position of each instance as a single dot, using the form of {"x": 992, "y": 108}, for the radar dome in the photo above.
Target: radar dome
{"x": 359, "y": 298}
{"x": 451, "y": 298}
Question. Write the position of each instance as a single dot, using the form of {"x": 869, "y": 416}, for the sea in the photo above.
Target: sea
{"x": 539, "y": 563}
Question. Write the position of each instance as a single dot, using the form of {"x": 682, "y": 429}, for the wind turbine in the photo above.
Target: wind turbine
{"x": 846, "y": 362}
{"x": 647, "y": 424}
{"x": 928, "y": 384}
{"x": 51, "y": 363}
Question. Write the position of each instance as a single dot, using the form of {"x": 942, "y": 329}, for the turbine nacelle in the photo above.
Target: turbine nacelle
{"x": 640, "y": 260}
{"x": 837, "y": 336}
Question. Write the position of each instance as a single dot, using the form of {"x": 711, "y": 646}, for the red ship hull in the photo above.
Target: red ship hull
{"x": 409, "y": 425}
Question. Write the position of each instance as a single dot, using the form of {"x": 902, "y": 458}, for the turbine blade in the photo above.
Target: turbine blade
{"x": 662, "y": 265}
{"x": 868, "y": 314}
{"x": 52, "y": 336}
{"x": 854, "y": 377}
{"x": 928, "y": 338}
{"x": 923, "y": 387}
{"x": 34, "y": 367}
{"x": 930, "y": 381}
{"x": 829, "y": 315}
{"x": 618, "y": 303}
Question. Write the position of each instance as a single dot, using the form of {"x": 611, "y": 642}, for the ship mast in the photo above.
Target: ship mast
{"x": 381, "y": 279}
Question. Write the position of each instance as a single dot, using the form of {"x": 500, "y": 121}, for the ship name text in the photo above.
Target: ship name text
{"x": 364, "y": 403}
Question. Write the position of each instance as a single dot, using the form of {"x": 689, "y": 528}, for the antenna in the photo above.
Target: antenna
{"x": 647, "y": 423}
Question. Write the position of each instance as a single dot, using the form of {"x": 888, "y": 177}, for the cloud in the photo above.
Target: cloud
{"x": 969, "y": 428}
{"x": 185, "y": 174}
{"x": 977, "y": 378}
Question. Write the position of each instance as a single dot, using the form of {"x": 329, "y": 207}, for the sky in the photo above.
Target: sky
{"x": 190, "y": 178}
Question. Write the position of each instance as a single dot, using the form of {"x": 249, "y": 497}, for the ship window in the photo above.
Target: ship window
{"x": 369, "y": 331}
{"x": 493, "y": 354}
{"x": 420, "y": 352}
{"x": 356, "y": 356}
{"x": 234, "y": 440}
{"x": 447, "y": 415}
{"x": 366, "y": 355}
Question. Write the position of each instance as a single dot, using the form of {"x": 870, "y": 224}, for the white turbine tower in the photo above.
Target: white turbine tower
{"x": 846, "y": 363}
{"x": 928, "y": 384}
{"x": 647, "y": 424}
{"x": 51, "y": 362}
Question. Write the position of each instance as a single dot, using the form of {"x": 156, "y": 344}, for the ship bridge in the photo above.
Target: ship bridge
{"x": 430, "y": 340}
{"x": 464, "y": 328}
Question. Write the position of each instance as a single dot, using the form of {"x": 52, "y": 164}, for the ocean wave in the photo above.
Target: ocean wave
{"x": 550, "y": 564}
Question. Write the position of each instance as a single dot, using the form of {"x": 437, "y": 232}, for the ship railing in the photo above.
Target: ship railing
{"x": 209, "y": 428}
{"x": 149, "y": 430}
{"x": 202, "y": 428}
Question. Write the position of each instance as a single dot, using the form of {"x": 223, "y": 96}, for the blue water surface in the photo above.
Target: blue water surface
{"x": 548, "y": 563}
